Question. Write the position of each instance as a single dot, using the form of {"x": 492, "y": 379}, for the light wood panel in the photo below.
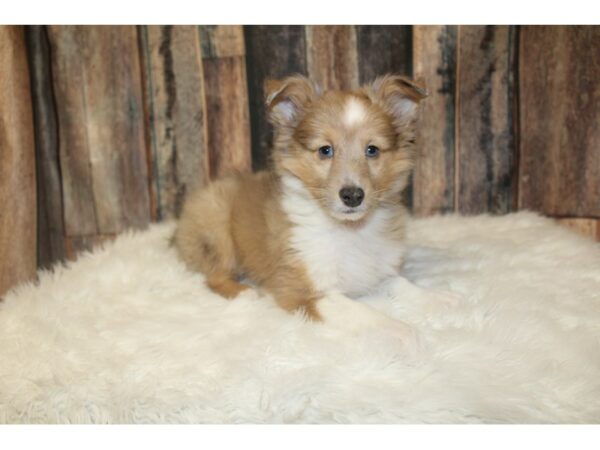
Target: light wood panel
{"x": 176, "y": 115}
{"x": 434, "y": 63}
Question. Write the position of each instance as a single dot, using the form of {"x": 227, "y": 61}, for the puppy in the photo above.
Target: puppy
{"x": 327, "y": 222}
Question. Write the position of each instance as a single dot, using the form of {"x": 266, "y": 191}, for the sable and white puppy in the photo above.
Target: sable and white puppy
{"x": 327, "y": 221}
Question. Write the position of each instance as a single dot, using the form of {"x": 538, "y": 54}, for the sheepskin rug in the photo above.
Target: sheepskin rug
{"x": 507, "y": 310}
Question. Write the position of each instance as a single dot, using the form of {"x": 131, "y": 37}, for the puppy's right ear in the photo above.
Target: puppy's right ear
{"x": 287, "y": 99}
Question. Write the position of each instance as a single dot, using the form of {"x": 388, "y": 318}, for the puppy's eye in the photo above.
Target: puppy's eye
{"x": 326, "y": 152}
{"x": 372, "y": 151}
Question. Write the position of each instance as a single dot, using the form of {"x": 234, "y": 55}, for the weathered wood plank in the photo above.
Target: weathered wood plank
{"x": 434, "y": 62}
{"x": 176, "y": 115}
{"x": 272, "y": 52}
{"x": 485, "y": 137}
{"x": 589, "y": 228}
{"x": 222, "y": 41}
{"x": 331, "y": 56}
{"x": 226, "y": 101}
{"x": 97, "y": 84}
{"x": 17, "y": 163}
{"x": 559, "y": 110}
{"x": 383, "y": 49}
{"x": 50, "y": 226}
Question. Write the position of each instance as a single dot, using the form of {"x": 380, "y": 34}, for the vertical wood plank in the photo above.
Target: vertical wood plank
{"x": 559, "y": 110}
{"x": 434, "y": 62}
{"x": 383, "y": 49}
{"x": 224, "y": 65}
{"x": 331, "y": 56}
{"x": 50, "y": 224}
{"x": 176, "y": 115}
{"x": 17, "y": 163}
{"x": 272, "y": 52}
{"x": 97, "y": 85}
{"x": 485, "y": 137}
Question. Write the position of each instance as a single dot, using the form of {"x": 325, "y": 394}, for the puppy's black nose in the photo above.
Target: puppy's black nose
{"x": 352, "y": 195}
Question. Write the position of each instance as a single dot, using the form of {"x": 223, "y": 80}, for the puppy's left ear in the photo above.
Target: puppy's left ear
{"x": 400, "y": 95}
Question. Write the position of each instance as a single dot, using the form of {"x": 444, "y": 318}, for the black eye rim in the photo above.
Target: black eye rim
{"x": 375, "y": 150}
{"x": 326, "y": 148}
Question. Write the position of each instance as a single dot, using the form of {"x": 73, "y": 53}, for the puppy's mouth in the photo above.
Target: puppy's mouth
{"x": 349, "y": 214}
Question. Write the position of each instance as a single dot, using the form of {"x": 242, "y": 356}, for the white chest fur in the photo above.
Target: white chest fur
{"x": 337, "y": 257}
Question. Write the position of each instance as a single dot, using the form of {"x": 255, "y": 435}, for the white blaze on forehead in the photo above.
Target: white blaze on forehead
{"x": 354, "y": 112}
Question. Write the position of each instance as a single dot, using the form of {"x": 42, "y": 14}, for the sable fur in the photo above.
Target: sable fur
{"x": 287, "y": 230}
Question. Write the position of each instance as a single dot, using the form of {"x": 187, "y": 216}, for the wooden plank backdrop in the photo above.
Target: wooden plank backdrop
{"x": 96, "y": 78}
{"x": 17, "y": 163}
{"x": 559, "y": 172}
{"x": 175, "y": 115}
{"x": 127, "y": 120}
{"x": 434, "y": 63}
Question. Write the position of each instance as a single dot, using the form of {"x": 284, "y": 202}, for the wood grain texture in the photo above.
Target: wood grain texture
{"x": 272, "y": 52}
{"x": 50, "y": 222}
{"x": 331, "y": 56}
{"x": 589, "y": 228}
{"x": 383, "y": 49}
{"x": 485, "y": 136}
{"x": 434, "y": 62}
{"x": 226, "y": 91}
{"x": 559, "y": 116}
{"x": 222, "y": 41}
{"x": 17, "y": 163}
{"x": 176, "y": 115}
{"x": 97, "y": 84}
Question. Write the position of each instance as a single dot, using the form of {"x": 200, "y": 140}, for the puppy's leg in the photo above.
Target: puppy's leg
{"x": 356, "y": 317}
{"x": 205, "y": 244}
{"x": 292, "y": 291}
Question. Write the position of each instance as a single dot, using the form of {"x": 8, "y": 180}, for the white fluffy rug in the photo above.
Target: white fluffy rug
{"x": 126, "y": 334}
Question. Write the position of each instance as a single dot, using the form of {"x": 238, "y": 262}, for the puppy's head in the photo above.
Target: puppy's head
{"x": 352, "y": 150}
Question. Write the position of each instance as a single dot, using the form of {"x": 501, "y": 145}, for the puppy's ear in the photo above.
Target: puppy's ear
{"x": 287, "y": 99}
{"x": 400, "y": 95}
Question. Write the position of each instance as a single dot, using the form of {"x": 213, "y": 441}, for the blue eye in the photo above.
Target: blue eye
{"x": 326, "y": 151}
{"x": 372, "y": 151}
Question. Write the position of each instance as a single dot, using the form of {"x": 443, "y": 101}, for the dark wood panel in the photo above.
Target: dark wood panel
{"x": 226, "y": 100}
{"x": 485, "y": 136}
{"x": 434, "y": 63}
{"x": 331, "y": 56}
{"x": 271, "y": 52}
{"x": 97, "y": 83}
{"x": 17, "y": 163}
{"x": 559, "y": 110}
{"x": 50, "y": 223}
{"x": 176, "y": 115}
{"x": 383, "y": 49}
